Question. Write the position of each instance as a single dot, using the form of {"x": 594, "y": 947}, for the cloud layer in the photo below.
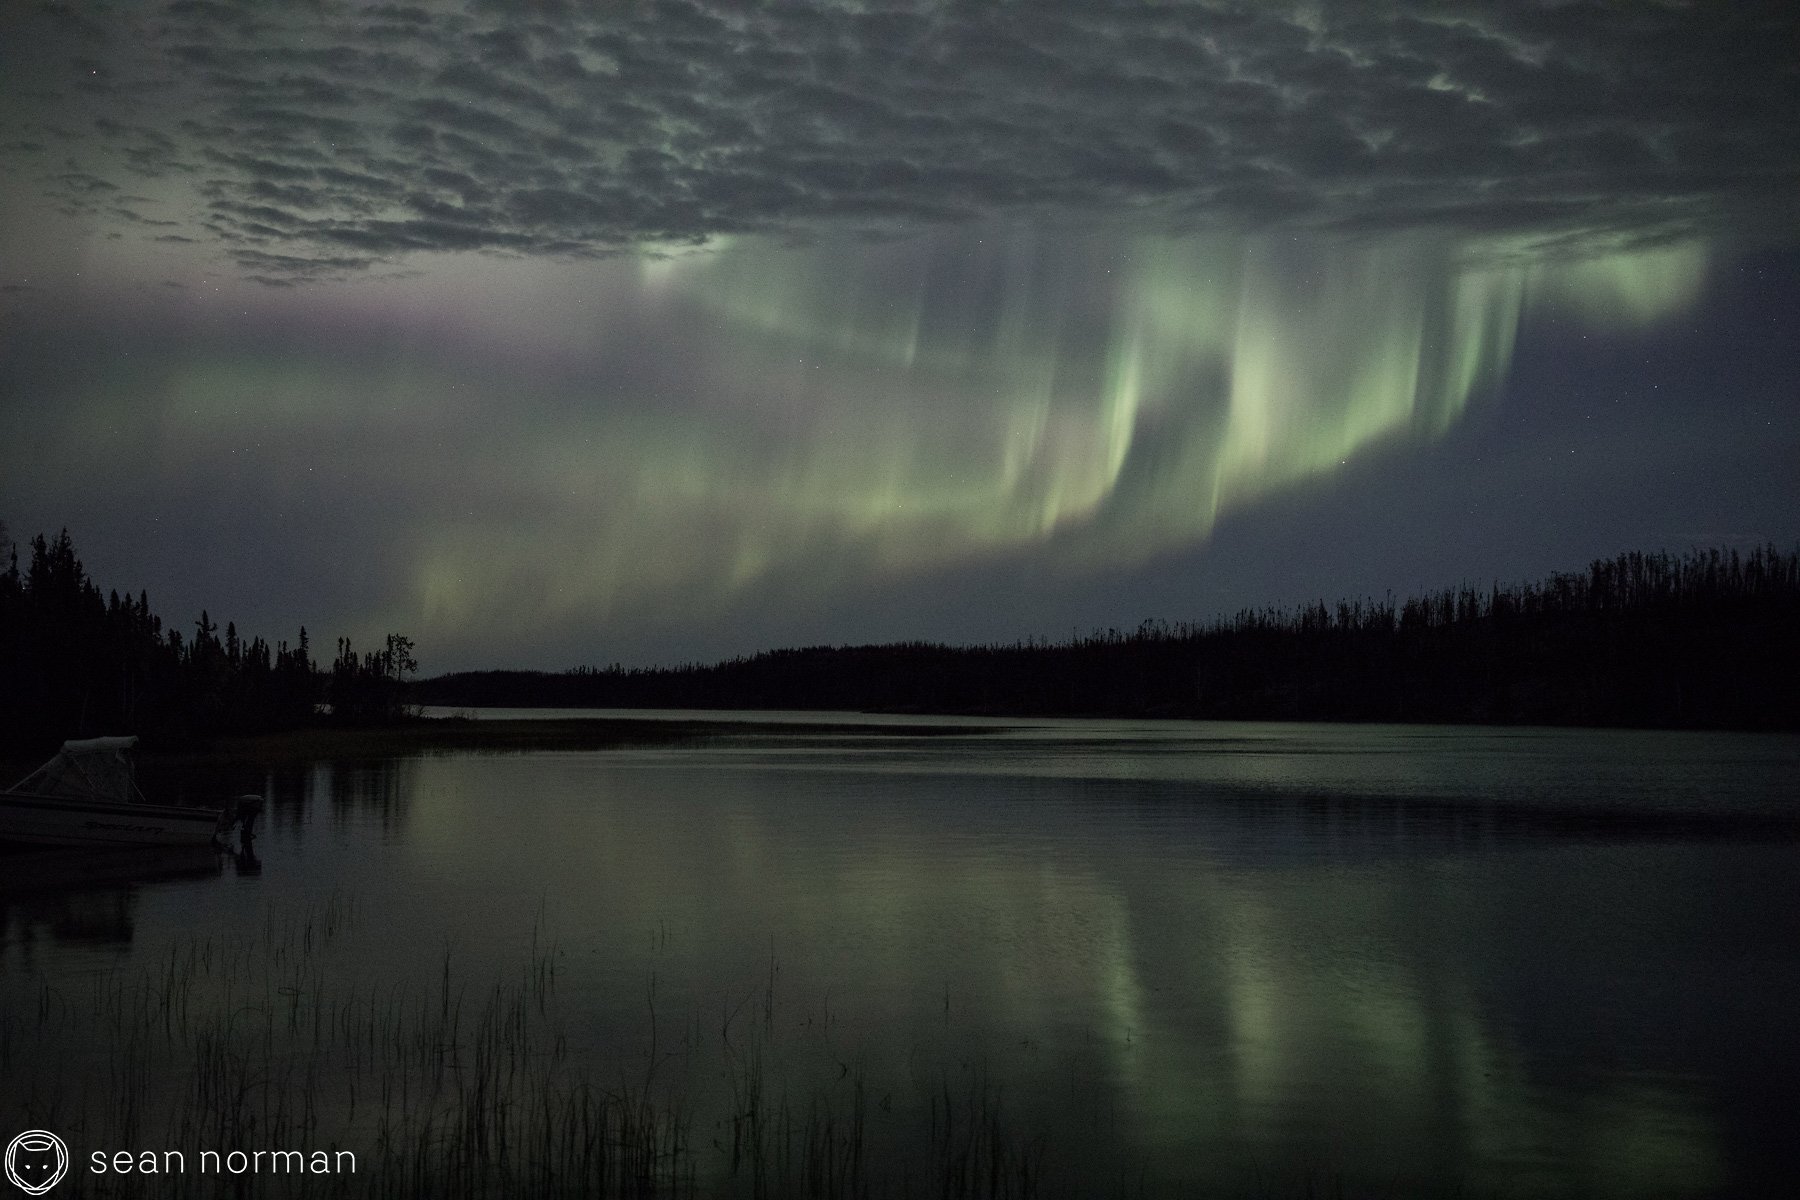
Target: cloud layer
{"x": 712, "y": 326}
{"x": 316, "y": 140}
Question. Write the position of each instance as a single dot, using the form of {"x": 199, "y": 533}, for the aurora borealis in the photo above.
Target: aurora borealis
{"x": 641, "y": 333}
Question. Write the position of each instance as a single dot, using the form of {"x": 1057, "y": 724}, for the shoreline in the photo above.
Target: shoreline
{"x": 505, "y": 735}
{"x": 440, "y": 735}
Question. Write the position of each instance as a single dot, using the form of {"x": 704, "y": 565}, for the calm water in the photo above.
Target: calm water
{"x": 1236, "y": 958}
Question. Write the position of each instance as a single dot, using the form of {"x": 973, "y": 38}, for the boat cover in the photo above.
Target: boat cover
{"x": 90, "y": 769}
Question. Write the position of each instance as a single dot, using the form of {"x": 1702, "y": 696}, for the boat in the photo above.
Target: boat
{"x": 87, "y": 795}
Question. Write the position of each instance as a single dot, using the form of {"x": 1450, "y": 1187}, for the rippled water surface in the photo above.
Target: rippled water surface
{"x": 1167, "y": 956}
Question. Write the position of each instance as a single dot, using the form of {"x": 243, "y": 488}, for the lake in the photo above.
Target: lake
{"x": 953, "y": 956}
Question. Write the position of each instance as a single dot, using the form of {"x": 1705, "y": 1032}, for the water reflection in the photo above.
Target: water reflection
{"x": 89, "y": 896}
{"x": 1183, "y": 967}
{"x": 1396, "y": 986}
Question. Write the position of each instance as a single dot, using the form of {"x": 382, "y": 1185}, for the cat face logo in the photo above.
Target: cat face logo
{"x": 36, "y": 1160}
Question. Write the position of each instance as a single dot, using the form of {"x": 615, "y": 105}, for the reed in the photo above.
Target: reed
{"x": 463, "y": 1085}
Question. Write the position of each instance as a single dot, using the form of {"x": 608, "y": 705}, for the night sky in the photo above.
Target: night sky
{"x": 652, "y": 332}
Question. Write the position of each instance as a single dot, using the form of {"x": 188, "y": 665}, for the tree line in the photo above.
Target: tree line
{"x": 76, "y": 662}
{"x": 1710, "y": 639}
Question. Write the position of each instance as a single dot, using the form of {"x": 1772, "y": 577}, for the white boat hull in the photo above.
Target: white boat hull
{"x": 33, "y": 819}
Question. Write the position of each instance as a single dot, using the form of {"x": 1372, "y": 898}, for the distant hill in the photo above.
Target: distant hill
{"x": 1706, "y": 640}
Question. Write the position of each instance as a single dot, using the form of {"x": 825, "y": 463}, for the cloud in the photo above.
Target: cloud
{"x": 302, "y": 134}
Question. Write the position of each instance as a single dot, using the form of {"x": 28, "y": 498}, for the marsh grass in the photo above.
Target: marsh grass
{"x": 450, "y": 1084}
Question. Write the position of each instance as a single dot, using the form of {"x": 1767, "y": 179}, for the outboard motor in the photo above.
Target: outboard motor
{"x": 239, "y": 814}
{"x": 249, "y": 807}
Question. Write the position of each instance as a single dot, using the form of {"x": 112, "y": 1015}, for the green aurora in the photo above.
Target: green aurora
{"x": 749, "y": 419}
{"x": 691, "y": 330}
{"x": 897, "y": 408}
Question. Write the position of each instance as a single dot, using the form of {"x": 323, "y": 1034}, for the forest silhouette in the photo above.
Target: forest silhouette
{"x": 1710, "y": 639}
{"x": 1707, "y": 640}
{"x": 75, "y": 663}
